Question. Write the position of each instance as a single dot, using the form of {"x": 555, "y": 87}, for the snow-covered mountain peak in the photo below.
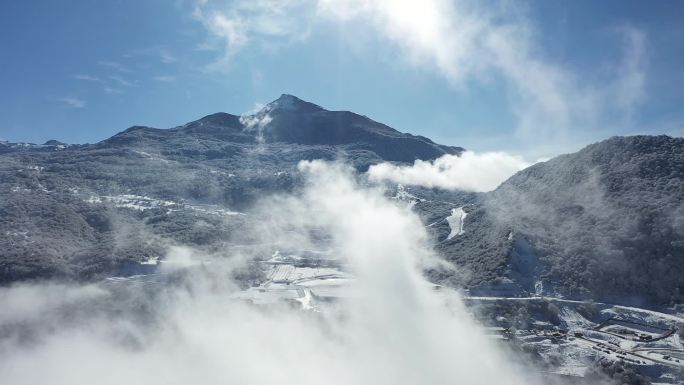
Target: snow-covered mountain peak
{"x": 290, "y": 103}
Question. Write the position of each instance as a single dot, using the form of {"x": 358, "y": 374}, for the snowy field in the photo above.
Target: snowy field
{"x": 646, "y": 340}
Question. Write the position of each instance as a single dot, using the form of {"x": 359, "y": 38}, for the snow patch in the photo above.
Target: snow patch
{"x": 151, "y": 261}
{"x": 36, "y": 168}
{"x": 17, "y": 189}
{"x": 130, "y": 201}
{"x": 404, "y": 195}
{"x": 18, "y": 234}
{"x": 456, "y": 221}
{"x": 213, "y": 210}
{"x": 150, "y": 156}
{"x": 142, "y": 203}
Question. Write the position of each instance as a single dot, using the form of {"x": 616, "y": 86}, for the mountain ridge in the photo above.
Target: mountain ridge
{"x": 88, "y": 211}
{"x": 606, "y": 222}
{"x": 93, "y": 210}
{"x": 294, "y": 121}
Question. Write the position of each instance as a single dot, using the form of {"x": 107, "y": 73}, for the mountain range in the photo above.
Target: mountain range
{"x": 605, "y": 223}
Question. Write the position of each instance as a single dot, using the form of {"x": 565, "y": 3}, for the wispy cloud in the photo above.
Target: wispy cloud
{"x": 121, "y": 81}
{"x": 161, "y": 53}
{"x": 116, "y": 66}
{"x": 631, "y": 79}
{"x": 88, "y": 78}
{"x": 72, "y": 102}
{"x": 164, "y": 79}
{"x": 111, "y": 90}
{"x": 166, "y": 57}
{"x": 466, "y": 43}
{"x": 112, "y": 83}
{"x": 106, "y": 83}
{"x": 236, "y": 24}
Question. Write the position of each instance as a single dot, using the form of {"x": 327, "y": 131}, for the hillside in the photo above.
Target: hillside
{"x": 88, "y": 211}
{"x": 606, "y": 222}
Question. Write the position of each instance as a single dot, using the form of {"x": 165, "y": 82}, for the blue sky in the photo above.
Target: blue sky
{"x": 529, "y": 77}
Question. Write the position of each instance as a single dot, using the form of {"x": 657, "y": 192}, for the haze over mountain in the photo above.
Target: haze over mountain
{"x": 603, "y": 223}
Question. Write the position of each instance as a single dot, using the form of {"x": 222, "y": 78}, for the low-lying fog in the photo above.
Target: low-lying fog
{"x": 393, "y": 328}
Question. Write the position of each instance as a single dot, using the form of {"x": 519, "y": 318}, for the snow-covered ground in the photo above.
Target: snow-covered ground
{"x": 298, "y": 275}
{"x": 456, "y": 221}
{"x": 305, "y": 285}
{"x": 212, "y": 209}
{"x": 402, "y": 194}
{"x": 149, "y": 156}
{"x": 131, "y": 201}
{"x": 647, "y": 340}
{"x": 142, "y": 203}
{"x": 570, "y": 346}
{"x": 17, "y": 189}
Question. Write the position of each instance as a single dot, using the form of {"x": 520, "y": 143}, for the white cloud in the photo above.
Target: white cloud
{"x": 166, "y": 57}
{"x": 121, "y": 81}
{"x": 470, "y": 171}
{"x": 161, "y": 53}
{"x": 107, "y": 88}
{"x": 88, "y": 78}
{"x": 630, "y": 88}
{"x": 165, "y": 79}
{"x": 73, "y": 102}
{"x": 392, "y": 328}
{"x": 256, "y": 121}
{"x": 111, "y": 90}
{"x": 465, "y": 42}
{"x": 113, "y": 65}
{"x": 241, "y": 22}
